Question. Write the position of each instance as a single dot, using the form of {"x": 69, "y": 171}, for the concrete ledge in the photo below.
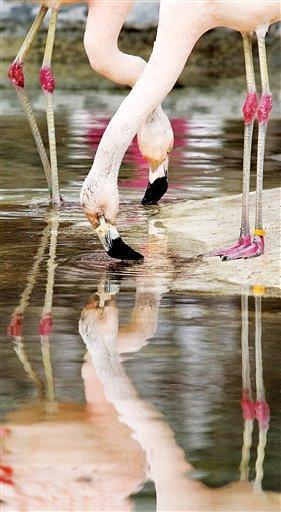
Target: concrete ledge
{"x": 194, "y": 227}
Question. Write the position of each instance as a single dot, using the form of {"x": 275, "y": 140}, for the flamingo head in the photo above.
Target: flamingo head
{"x": 156, "y": 143}
{"x": 99, "y": 319}
{"x": 100, "y": 202}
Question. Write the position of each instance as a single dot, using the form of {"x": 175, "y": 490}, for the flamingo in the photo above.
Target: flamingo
{"x": 104, "y": 22}
{"x": 169, "y": 467}
{"x": 181, "y": 24}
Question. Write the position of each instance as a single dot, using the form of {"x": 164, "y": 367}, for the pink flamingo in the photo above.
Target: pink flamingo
{"x": 104, "y": 22}
{"x": 180, "y": 25}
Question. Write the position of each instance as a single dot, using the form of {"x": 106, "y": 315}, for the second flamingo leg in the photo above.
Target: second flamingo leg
{"x": 249, "y": 112}
{"x": 256, "y": 248}
{"x": 48, "y": 85}
{"x": 16, "y": 76}
{"x": 261, "y": 405}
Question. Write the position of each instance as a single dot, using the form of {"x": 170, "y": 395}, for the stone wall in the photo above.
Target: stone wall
{"x": 217, "y": 55}
{"x": 17, "y": 15}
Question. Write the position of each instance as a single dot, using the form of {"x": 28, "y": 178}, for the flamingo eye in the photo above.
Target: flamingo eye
{"x": 169, "y": 150}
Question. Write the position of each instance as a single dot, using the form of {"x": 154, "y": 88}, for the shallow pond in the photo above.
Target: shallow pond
{"x": 150, "y": 389}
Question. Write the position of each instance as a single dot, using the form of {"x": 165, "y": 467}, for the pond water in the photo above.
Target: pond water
{"x": 150, "y": 390}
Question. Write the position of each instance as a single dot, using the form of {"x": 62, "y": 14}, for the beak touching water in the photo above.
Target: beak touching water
{"x": 113, "y": 243}
{"x": 157, "y": 184}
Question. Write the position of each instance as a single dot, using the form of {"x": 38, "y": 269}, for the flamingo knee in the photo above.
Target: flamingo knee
{"x": 250, "y": 107}
{"x": 264, "y": 108}
{"x": 47, "y": 81}
{"x": 16, "y": 74}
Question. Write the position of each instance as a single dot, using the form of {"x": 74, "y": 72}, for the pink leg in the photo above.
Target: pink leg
{"x": 256, "y": 248}
{"x": 48, "y": 85}
{"x": 16, "y": 76}
{"x": 249, "y": 113}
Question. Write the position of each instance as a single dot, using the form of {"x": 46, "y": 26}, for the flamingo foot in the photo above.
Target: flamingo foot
{"x": 256, "y": 248}
{"x": 244, "y": 241}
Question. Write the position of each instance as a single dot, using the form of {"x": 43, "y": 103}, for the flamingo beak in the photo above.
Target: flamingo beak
{"x": 113, "y": 243}
{"x": 157, "y": 184}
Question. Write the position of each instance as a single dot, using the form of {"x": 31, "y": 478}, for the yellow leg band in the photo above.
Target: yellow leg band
{"x": 259, "y": 232}
{"x": 258, "y": 289}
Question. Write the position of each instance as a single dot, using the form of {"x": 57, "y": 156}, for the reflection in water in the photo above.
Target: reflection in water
{"x": 253, "y": 410}
{"x": 15, "y": 327}
{"x": 65, "y": 456}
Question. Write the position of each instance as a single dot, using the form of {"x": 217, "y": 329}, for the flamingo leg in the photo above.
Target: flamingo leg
{"x": 16, "y": 76}
{"x": 48, "y": 85}
{"x": 46, "y": 323}
{"x": 247, "y": 404}
{"x": 249, "y": 111}
{"x": 262, "y": 408}
{"x": 256, "y": 248}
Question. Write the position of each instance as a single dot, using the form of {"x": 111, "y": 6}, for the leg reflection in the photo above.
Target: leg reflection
{"x": 258, "y": 410}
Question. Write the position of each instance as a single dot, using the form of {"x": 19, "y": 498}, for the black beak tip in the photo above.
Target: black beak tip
{"x": 121, "y": 251}
{"x": 155, "y": 191}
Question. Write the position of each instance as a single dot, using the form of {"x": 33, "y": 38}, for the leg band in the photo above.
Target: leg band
{"x": 259, "y": 232}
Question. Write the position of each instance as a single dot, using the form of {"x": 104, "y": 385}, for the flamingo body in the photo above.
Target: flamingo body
{"x": 181, "y": 24}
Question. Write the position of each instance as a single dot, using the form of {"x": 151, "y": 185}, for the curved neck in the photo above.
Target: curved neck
{"x": 165, "y": 65}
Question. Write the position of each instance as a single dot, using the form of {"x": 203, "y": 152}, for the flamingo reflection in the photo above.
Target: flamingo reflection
{"x": 15, "y": 327}
{"x": 95, "y": 456}
{"x": 168, "y": 466}
{"x": 258, "y": 410}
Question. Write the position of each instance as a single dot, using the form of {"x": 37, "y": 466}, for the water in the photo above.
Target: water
{"x": 87, "y": 429}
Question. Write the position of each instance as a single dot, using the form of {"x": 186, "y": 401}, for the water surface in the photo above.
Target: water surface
{"x": 151, "y": 389}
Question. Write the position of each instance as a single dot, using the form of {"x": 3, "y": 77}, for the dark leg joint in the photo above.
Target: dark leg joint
{"x": 16, "y": 75}
{"x": 250, "y": 107}
{"x": 264, "y": 108}
{"x": 47, "y": 79}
